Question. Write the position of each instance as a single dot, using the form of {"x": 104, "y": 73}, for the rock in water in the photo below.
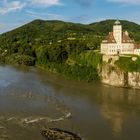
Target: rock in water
{"x": 58, "y": 134}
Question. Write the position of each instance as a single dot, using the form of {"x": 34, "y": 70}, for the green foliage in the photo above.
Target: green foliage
{"x": 89, "y": 58}
{"x": 128, "y": 65}
{"x": 86, "y": 73}
{"x": 41, "y": 54}
{"x": 82, "y": 67}
{"x": 20, "y": 59}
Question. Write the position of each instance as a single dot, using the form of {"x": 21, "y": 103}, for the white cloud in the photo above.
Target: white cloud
{"x": 11, "y": 6}
{"x": 46, "y": 3}
{"x": 126, "y": 1}
{"x": 15, "y": 5}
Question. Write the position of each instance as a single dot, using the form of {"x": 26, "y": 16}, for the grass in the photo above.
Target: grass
{"x": 128, "y": 65}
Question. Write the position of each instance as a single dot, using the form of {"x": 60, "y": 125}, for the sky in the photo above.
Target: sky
{"x": 15, "y": 13}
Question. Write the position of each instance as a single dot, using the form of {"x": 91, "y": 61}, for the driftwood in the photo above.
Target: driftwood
{"x": 58, "y": 134}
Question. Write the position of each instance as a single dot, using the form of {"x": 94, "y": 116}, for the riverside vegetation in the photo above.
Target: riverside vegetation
{"x": 62, "y": 47}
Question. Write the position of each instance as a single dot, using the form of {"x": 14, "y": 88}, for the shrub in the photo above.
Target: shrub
{"x": 126, "y": 64}
{"x": 20, "y": 59}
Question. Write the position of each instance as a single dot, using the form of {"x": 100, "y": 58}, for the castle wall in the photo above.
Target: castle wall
{"x": 127, "y": 48}
{"x": 113, "y": 48}
{"x": 104, "y": 48}
{"x": 137, "y": 51}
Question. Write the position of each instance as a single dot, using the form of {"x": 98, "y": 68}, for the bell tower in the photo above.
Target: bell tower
{"x": 117, "y": 32}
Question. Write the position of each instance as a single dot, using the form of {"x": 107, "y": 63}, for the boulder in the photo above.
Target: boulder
{"x": 58, "y": 134}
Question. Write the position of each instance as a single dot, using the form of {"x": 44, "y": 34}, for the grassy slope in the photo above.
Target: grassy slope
{"x": 128, "y": 64}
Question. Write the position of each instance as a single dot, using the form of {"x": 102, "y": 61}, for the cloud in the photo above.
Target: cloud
{"x": 135, "y": 2}
{"x": 11, "y": 6}
{"x": 7, "y": 6}
{"x": 46, "y": 3}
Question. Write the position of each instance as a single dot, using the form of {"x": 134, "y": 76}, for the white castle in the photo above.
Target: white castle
{"x": 119, "y": 42}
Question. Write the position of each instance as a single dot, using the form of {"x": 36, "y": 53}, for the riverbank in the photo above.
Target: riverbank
{"x": 76, "y": 72}
{"x": 90, "y": 66}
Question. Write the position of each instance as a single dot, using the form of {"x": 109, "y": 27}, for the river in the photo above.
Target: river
{"x": 32, "y": 99}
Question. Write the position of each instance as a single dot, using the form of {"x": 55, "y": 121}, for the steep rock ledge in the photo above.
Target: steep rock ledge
{"x": 112, "y": 75}
{"x": 134, "y": 79}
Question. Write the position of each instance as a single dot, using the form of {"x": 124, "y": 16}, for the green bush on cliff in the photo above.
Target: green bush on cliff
{"x": 128, "y": 65}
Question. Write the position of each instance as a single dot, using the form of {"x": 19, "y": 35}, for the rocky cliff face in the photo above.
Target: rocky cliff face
{"x": 114, "y": 76}
{"x": 134, "y": 79}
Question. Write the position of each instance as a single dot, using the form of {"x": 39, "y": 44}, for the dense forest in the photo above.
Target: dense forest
{"x": 63, "y": 47}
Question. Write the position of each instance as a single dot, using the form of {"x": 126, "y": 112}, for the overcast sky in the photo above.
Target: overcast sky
{"x": 14, "y": 13}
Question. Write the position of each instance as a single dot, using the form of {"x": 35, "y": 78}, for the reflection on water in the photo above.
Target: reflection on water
{"x": 117, "y": 108}
{"x": 31, "y": 100}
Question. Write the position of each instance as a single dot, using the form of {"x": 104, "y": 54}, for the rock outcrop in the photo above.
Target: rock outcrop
{"x": 58, "y": 134}
{"x": 112, "y": 75}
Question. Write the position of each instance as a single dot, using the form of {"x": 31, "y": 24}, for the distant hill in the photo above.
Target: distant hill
{"x": 26, "y": 39}
{"x": 63, "y": 47}
{"x": 106, "y": 26}
{"x": 40, "y": 32}
{"x": 46, "y": 31}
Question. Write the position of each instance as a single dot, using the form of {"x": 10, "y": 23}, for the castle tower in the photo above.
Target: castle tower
{"x": 117, "y": 32}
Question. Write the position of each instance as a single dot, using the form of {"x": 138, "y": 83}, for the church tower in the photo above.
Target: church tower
{"x": 117, "y": 32}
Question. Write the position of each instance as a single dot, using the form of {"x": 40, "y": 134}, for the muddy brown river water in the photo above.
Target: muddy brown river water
{"x": 31, "y": 100}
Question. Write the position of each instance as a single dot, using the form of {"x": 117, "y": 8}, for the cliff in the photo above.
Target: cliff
{"x": 112, "y": 75}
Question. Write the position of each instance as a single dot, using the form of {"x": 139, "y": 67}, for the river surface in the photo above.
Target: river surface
{"x": 31, "y": 100}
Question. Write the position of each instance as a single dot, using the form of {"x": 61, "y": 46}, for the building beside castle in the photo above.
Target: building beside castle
{"x": 119, "y": 42}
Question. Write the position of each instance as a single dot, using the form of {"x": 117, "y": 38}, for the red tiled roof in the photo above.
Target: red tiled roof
{"x": 110, "y": 38}
{"x": 126, "y": 38}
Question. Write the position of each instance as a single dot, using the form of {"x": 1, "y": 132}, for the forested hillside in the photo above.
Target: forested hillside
{"x": 64, "y": 47}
